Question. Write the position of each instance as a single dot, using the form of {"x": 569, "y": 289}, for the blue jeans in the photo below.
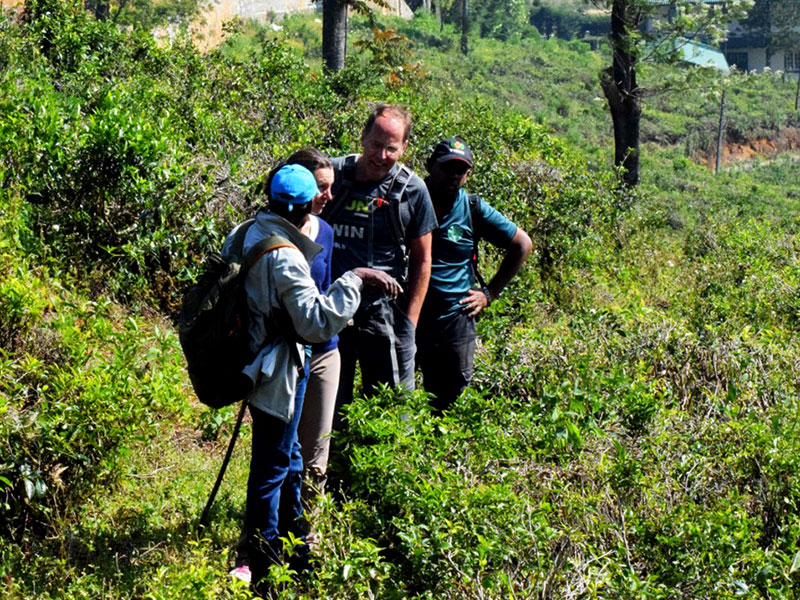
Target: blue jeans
{"x": 273, "y": 487}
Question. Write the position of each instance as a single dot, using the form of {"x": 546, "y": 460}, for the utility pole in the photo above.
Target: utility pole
{"x": 797, "y": 92}
{"x": 720, "y": 131}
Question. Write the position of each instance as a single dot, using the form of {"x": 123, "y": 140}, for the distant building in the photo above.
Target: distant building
{"x": 761, "y": 41}
{"x": 265, "y": 9}
{"x": 752, "y": 44}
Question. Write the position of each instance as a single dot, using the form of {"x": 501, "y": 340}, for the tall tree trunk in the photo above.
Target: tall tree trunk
{"x": 99, "y": 8}
{"x": 464, "y": 27}
{"x": 622, "y": 92}
{"x": 334, "y": 33}
{"x": 797, "y": 92}
{"x": 770, "y": 38}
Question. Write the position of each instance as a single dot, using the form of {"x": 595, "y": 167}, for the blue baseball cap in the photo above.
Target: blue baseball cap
{"x": 293, "y": 185}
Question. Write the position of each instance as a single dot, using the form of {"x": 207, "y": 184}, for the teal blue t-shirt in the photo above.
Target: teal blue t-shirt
{"x": 451, "y": 272}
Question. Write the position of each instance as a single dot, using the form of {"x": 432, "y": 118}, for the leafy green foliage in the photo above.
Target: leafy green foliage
{"x": 503, "y": 20}
{"x": 566, "y": 22}
{"x": 70, "y": 410}
{"x": 632, "y": 428}
{"x": 498, "y": 19}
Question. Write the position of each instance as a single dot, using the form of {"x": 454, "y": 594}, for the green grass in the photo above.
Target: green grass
{"x": 632, "y": 432}
{"x": 138, "y": 538}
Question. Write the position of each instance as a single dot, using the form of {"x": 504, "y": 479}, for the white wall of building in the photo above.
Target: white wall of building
{"x": 261, "y": 9}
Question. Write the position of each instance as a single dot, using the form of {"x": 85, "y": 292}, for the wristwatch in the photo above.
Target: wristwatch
{"x": 488, "y": 295}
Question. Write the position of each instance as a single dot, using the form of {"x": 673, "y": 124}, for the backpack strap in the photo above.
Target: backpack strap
{"x": 236, "y": 248}
{"x": 395, "y": 196}
{"x": 335, "y": 207}
{"x": 278, "y": 321}
{"x": 398, "y": 207}
{"x": 474, "y": 216}
{"x": 263, "y": 247}
{"x": 398, "y": 203}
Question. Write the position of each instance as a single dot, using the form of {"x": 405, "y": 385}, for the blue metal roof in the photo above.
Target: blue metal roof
{"x": 701, "y": 54}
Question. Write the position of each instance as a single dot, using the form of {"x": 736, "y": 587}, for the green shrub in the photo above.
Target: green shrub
{"x": 80, "y": 384}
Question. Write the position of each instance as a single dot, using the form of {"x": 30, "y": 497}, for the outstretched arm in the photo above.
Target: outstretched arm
{"x": 518, "y": 250}
{"x": 315, "y": 317}
{"x": 419, "y": 274}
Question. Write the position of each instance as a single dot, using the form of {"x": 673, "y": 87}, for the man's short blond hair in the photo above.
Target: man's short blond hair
{"x": 391, "y": 110}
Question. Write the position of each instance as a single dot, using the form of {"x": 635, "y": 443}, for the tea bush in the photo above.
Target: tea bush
{"x": 631, "y": 431}
{"x": 645, "y": 418}
{"x": 80, "y": 385}
{"x": 632, "y": 442}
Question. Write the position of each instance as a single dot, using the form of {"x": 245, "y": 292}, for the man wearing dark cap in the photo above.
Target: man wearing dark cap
{"x": 446, "y": 330}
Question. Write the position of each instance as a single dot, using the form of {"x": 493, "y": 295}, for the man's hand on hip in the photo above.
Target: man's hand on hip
{"x": 474, "y": 303}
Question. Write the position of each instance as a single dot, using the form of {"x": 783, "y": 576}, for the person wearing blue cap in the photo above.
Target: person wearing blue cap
{"x": 286, "y": 312}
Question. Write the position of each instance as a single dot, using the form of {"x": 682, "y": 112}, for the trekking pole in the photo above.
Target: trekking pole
{"x": 225, "y": 461}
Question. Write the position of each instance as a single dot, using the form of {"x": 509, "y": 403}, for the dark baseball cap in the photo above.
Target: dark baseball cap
{"x": 452, "y": 149}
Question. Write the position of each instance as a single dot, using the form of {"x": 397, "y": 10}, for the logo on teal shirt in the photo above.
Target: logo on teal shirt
{"x": 455, "y": 233}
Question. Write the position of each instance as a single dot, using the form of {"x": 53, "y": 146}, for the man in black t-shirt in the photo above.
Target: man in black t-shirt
{"x": 382, "y": 217}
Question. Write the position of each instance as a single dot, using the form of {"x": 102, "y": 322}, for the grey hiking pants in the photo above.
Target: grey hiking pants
{"x": 446, "y": 357}
{"x": 381, "y": 340}
{"x": 317, "y": 419}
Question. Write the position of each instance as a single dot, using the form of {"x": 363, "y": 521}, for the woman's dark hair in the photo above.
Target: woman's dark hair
{"x": 310, "y": 158}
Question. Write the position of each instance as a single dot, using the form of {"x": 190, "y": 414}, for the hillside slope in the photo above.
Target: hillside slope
{"x": 557, "y": 83}
{"x": 632, "y": 431}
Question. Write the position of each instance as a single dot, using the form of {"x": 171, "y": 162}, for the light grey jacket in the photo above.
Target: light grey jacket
{"x": 282, "y": 279}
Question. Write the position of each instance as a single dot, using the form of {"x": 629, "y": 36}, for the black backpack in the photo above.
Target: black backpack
{"x": 474, "y": 217}
{"x": 214, "y": 321}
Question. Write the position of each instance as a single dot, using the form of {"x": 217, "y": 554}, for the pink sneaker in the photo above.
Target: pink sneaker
{"x": 241, "y": 572}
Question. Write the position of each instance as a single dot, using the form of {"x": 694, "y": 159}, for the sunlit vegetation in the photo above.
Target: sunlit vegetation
{"x": 632, "y": 431}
